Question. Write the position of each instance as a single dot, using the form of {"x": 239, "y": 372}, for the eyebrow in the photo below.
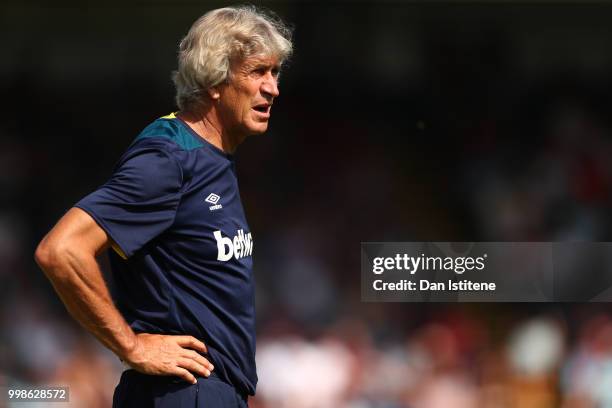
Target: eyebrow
{"x": 266, "y": 65}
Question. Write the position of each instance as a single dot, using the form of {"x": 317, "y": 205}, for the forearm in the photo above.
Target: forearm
{"x": 78, "y": 281}
{"x": 67, "y": 255}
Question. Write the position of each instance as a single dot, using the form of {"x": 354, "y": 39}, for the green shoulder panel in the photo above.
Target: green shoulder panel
{"x": 168, "y": 127}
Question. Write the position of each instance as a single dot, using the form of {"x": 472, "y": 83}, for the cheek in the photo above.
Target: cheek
{"x": 246, "y": 105}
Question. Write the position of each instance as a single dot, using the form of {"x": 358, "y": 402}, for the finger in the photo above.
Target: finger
{"x": 193, "y": 367}
{"x": 194, "y": 355}
{"x": 184, "y": 374}
{"x": 191, "y": 342}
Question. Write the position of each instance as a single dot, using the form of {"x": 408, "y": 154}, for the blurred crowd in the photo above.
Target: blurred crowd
{"x": 464, "y": 122}
{"x": 453, "y": 361}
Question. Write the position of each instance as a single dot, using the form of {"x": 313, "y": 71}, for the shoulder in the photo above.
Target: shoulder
{"x": 157, "y": 154}
{"x": 169, "y": 133}
{"x": 163, "y": 140}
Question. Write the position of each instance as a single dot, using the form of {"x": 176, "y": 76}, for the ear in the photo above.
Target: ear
{"x": 213, "y": 93}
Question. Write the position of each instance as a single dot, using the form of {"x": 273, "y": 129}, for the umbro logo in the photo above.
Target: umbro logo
{"x": 213, "y": 199}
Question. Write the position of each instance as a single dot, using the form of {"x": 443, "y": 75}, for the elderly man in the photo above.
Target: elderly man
{"x": 181, "y": 248}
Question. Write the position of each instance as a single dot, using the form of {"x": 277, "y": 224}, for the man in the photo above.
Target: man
{"x": 181, "y": 248}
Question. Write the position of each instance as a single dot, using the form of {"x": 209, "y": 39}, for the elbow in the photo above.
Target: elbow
{"x": 43, "y": 254}
{"x": 50, "y": 256}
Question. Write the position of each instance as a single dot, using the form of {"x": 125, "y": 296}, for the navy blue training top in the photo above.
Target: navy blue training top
{"x": 183, "y": 250}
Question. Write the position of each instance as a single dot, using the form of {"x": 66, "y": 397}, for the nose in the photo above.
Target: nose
{"x": 269, "y": 86}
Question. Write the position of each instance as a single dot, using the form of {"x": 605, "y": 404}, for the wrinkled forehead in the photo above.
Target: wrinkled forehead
{"x": 256, "y": 61}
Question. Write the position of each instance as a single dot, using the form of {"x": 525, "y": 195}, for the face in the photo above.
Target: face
{"x": 245, "y": 101}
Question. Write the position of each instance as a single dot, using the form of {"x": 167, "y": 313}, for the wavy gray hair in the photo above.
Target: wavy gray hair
{"x": 220, "y": 37}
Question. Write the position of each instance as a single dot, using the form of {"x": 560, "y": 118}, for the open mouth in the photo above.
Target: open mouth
{"x": 262, "y": 108}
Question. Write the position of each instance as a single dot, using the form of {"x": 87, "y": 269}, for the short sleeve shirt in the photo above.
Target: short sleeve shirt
{"x": 183, "y": 249}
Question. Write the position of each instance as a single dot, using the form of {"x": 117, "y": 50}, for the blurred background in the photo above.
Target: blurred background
{"x": 397, "y": 121}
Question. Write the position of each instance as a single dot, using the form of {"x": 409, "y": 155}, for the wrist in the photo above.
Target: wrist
{"x": 128, "y": 349}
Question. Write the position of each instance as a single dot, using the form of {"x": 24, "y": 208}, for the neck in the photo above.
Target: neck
{"x": 207, "y": 125}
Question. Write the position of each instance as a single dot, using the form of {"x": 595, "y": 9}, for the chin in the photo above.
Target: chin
{"x": 258, "y": 129}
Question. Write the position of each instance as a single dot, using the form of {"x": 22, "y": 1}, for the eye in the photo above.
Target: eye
{"x": 259, "y": 71}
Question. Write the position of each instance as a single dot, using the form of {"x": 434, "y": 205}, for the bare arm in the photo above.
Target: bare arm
{"x": 67, "y": 255}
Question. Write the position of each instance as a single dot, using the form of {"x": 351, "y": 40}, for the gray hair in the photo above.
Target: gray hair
{"x": 217, "y": 39}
